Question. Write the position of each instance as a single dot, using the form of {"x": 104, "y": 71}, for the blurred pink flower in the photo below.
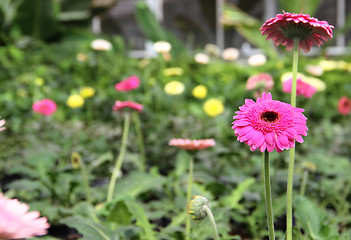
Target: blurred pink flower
{"x": 302, "y": 88}
{"x": 17, "y": 223}
{"x": 344, "y": 105}
{"x": 45, "y": 107}
{"x": 119, "y": 105}
{"x": 269, "y": 124}
{"x": 286, "y": 27}
{"x": 2, "y": 124}
{"x": 128, "y": 84}
{"x": 261, "y": 81}
{"x": 195, "y": 144}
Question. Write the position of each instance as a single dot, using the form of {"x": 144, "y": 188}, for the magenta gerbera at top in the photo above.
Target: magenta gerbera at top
{"x": 45, "y": 107}
{"x": 286, "y": 27}
{"x": 128, "y": 84}
{"x": 17, "y": 223}
{"x": 269, "y": 124}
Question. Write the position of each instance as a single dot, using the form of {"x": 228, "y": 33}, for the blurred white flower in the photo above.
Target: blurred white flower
{"x": 101, "y": 45}
{"x": 201, "y": 58}
{"x": 162, "y": 46}
{"x": 314, "y": 70}
{"x": 257, "y": 60}
{"x": 230, "y": 54}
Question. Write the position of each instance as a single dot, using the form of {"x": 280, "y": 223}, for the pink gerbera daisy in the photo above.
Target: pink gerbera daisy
{"x": 344, "y": 105}
{"x": 196, "y": 144}
{"x": 128, "y": 84}
{"x": 286, "y": 27}
{"x": 269, "y": 124}
{"x": 302, "y": 88}
{"x": 17, "y": 223}
{"x": 119, "y": 105}
{"x": 45, "y": 107}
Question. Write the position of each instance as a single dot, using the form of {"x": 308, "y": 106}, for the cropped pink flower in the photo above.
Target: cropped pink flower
{"x": 45, "y": 107}
{"x": 119, "y": 105}
{"x": 269, "y": 124}
{"x": 128, "y": 84}
{"x": 17, "y": 223}
{"x": 260, "y": 81}
{"x": 286, "y": 27}
{"x": 2, "y": 125}
{"x": 344, "y": 105}
{"x": 302, "y": 88}
{"x": 196, "y": 144}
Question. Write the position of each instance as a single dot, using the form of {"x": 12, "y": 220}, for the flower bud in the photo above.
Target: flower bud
{"x": 75, "y": 160}
{"x": 309, "y": 166}
{"x": 196, "y": 207}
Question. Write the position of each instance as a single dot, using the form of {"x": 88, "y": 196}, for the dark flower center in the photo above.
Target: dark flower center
{"x": 299, "y": 30}
{"x": 269, "y": 116}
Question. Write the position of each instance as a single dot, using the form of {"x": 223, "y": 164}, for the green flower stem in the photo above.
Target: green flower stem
{"x": 212, "y": 220}
{"x": 85, "y": 181}
{"x": 289, "y": 190}
{"x": 120, "y": 158}
{"x": 136, "y": 119}
{"x": 268, "y": 199}
{"x": 303, "y": 183}
{"x": 89, "y": 110}
{"x": 188, "y": 197}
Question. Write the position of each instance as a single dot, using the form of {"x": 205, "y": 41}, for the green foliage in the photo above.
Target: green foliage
{"x": 313, "y": 220}
{"x": 153, "y": 29}
{"x": 38, "y": 18}
{"x": 304, "y": 6}
{"x": 248, "y": 27}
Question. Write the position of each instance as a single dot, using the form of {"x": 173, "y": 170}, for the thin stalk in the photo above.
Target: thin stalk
{"x": 89, "y": 110}
{"x": 289, "y": 190}
{"x": 85, "y": 181}
{"x": 303, "y": 183}
{"x": 213, "y": 223}
{"x": 120, "y": 158}
{"x": 136, "y": 119}
{"x": 268, "y": 199}
{"x": 188, "y": 197}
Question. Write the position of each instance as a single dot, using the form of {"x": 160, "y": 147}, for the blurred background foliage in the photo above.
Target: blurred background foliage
{"x": 40, "y": 39}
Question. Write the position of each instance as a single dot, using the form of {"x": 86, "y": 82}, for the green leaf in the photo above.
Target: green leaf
{"x": 153, "y": 29}
{"x": 297, "y": 6}
{"x": 296, "y": 234}
{"x": 138, "y": 182}
{"x": 248, "y": 27}
{"x": 313, "y": 220}
{"x": 38, "y": 18}
{"x": 233, "y": 199}
{"x": 127, "y": 206}
{"x": 90, "y": 229}
{"x": 120, "y": 214}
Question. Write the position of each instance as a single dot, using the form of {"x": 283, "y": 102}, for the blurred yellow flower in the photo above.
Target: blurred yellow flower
{"x": 175, "y": 71}
{"x": 200, "y": 91}
{"x": 87, "y": 92}
{"x": 76, "y": 159}
{"x": 75, "y": 101}
{"x": 22, "y": 92}
{"x": 174, "y": 88}
{"x": 82, "y": 57}
{"x": 213, "y": 107}
{"x": 39, "y": 81}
